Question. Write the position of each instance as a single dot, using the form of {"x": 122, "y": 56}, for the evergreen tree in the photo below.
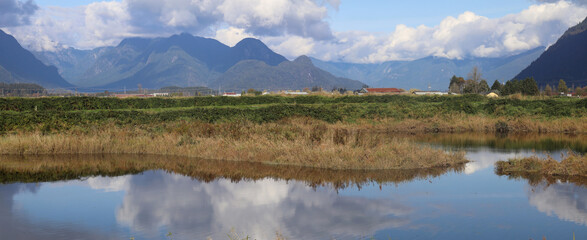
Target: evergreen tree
{"x": 529, "y": 87}
{"x": 483, "y": 86}
{"x": 511, "y": 87}
{"x": 497, "y": 86}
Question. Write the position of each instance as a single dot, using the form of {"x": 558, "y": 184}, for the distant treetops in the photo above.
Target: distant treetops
{"x": 475, "y": 84}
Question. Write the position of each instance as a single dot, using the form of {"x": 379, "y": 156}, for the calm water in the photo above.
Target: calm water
{"x": 473, "y": 204}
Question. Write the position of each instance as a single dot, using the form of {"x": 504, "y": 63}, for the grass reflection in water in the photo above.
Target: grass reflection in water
{"x": 67, "y": 167}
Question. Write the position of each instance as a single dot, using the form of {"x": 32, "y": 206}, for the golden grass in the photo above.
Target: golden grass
{"x": 572, "y": 167}
{"x": 299, "y": 142}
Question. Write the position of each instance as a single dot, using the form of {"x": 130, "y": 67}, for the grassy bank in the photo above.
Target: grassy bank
{"x": 572, "y": 167}
{"x": 294, "y": 142}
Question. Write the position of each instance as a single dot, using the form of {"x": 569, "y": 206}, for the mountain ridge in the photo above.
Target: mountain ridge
{"x": 20, "y": 65}
{"x": 566, "y": 59}
{"x": 185, "y": 60}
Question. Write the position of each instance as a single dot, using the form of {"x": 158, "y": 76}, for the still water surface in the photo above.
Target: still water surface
{"x": 472, "y": 204}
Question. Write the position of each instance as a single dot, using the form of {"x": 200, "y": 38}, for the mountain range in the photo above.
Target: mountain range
{"x": 18, "y": 65}
{"x": 430, "y": 71}
{"x": 185, "y": 60}
{"x": 566, "y": 59}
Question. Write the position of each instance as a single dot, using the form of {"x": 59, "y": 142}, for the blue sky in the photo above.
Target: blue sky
{"x": 365, "y": 31}
{"x": 377, "y": 15}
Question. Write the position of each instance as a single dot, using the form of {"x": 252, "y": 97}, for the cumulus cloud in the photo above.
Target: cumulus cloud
{"x": 298, "y": 27}
{"x": 467, "y": 35}
{"x": 106, "y": 23}
{"x": 98, "y": 24}
{"x": 16, "y": 13}
{"x": 261, "y": 17}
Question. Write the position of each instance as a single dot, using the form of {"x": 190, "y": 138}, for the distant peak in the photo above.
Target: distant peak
{"x": 250, "y": 42}
{"x": 303, "y": 59}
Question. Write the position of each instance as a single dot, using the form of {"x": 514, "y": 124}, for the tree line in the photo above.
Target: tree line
{"x": 475, "y": 84}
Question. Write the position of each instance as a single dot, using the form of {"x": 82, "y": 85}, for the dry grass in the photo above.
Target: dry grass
{"x": 571, "y": 165}
{"x": 571, "y": 168}
{"x": 299, "y": 142}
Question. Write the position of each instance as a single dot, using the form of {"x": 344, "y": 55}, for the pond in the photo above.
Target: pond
{"x": 469, "y": 203}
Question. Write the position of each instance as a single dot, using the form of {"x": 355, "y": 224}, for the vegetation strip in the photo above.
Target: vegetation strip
{"x": 300, "y": 142}
{"x": 572, "y": 168}
{"x": 473, "y": 103}
{"x": 571, "y": 165}
{"x": 417, "y": 114}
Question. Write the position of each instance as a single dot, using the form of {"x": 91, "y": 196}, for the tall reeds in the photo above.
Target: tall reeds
{"x": 300, "y": 141}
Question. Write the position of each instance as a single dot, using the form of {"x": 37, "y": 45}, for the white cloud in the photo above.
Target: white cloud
{"x": 298, "y": 27}
{"x": 467, "y": 35}
{"x": 232, "y": 35}
{"x": 291, "y": 46}
{"x": 16, "y": 13}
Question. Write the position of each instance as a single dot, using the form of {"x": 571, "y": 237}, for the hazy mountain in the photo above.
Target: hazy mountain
{"x": 297, "y": 74}
{"x": 19, "y": 65}
{"x": 433, "y": 71}
{"x": 70, "y": 62}
{"x": 566, "y": 59}
{"x": 185, "y": 60}
{"x": 180, "y": 60}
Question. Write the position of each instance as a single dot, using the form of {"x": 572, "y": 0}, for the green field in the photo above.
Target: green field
{"x": 64, "y": 113}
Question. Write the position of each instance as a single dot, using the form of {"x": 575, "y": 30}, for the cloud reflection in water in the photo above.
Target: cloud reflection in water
{"x": 567, "y": 201}
{"x": 260, "y": 208}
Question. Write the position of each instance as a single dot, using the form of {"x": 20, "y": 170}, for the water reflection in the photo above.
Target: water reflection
{"x": 567, "y": 201}
{"x": 71, "y": 167}
{"x": 15, "y": 223}
{"x": 156, "y": 202}
{"x": 536, "y": 142}
{"x": 485, "y": 157}
{"x": 260, "y": 208}
{"x": 149, "y": 205}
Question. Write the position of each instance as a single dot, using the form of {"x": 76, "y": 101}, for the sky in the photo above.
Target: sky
{"x": 365, "y": 31}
